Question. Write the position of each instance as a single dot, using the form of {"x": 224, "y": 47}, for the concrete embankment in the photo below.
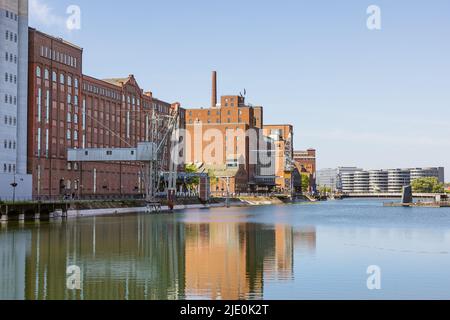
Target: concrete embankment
{"x": 43, "y": 211}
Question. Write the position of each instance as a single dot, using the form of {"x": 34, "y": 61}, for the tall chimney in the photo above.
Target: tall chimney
{"x": 214, "y": 90}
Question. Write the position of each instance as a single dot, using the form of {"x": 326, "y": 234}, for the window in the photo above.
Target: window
{"x": 69, "y": 81}
{"x": 61, "y": 79}
{"x": 46, "y": 75}
{"x": 76, "y": 83}
{"x": 54, "y": 76}
{"x": 68, "y": 135}
{"x": 69, "y": 119}
{"x": 38, "y": 72}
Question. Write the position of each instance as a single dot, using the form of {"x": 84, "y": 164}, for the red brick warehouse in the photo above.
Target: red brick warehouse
{"x": 68, "y": 109}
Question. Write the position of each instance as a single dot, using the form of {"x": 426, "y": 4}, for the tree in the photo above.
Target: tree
{"x": 192, "y": 183}
{"x": 324, "y": 189}
{"x": 212, "y": 177}
{"x": 427, "y": 185}
{"x": 305, "y": 182}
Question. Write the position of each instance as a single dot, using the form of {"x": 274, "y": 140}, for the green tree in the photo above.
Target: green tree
{"x": 212, "y": 177}
{"x": 192, "y": 183}
{"x": 427, "y": 185}
{"x": 305, "y": 182}
{"x": 324, "y": 189}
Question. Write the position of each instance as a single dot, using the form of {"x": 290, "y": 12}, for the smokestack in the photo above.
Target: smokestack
{"x": 214, "y": 90}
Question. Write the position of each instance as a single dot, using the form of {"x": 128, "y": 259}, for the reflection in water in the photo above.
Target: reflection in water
{"x": 147, "y": 257}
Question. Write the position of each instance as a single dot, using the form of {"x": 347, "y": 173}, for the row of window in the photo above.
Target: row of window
{"x": 11, "y": 36}
{"x": 9, "y": 144}
{"x": 9, "y": 168}
{"x": 11, "y": 77}
{"x": 218, "y": 112}
{"x": 10, "y": 57}
{"x": 12, "y": 121}
{"x": 10, "y": 99}
{"x": 217, "y": 121}
{"x": 11, "y": 15}
{"x": 101, "y": 91}
{"x": 59, "y": 57}
{"x": 69, "y": 135}
{"x": 62, "y": 77}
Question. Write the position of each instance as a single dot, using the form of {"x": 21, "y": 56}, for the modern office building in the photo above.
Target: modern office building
{"x": 333, "y": 178}
{"x": 356, "y": 180}
{"x": 347, "y": 182}
{"x": 14, "y": 180}
{"x": 378, "y": 181}
{"x": 397, "y": 179}
{"x": 68, "y": 109}
{"x": 418, "y": 173}
{"x": 361, "y": 182}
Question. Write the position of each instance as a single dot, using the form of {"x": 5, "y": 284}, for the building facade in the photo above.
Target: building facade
{"x": 68, "y": 109}
{"x": 305, "y": 162}
{"x": 355, "y": 180}
{"x": 282, "y": 136}
{"x": 15, "y": 183}
{"x": 225, "y": 139}
{"x": 339, "y": 179}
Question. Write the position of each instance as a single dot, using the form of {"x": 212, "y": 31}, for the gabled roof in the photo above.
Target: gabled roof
{"x": 117, "y": 81}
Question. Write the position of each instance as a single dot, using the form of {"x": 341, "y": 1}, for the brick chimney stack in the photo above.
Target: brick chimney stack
{"x": 214, "y": 90}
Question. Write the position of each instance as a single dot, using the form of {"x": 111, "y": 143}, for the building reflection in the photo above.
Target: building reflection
{"x": 232, "y": 261}
{"x": 144, "y": 257}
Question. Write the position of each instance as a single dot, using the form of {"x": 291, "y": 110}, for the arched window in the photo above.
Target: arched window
{"x": 69, "y": 81}
{"x": 38, "y": 72}
{"x": 61, "y": 78}
{"x": 46, "y": 74}
{"x": 54, "y": 76}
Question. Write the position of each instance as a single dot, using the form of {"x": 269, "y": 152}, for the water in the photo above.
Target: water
{"x": 305, "y": 251}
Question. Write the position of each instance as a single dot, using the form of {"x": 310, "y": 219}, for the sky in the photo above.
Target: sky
{"x": 368, "y": 98}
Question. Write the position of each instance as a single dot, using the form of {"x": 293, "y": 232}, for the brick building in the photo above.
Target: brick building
{"x": 306, "y": 164}
{"x": 282, "y": 137}
{"x": 68, "y": 109}
{"x": 224, "y": 139}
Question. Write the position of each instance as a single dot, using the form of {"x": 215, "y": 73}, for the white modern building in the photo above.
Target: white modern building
{"x": 361, "y": 182}
{"x": 14, "y": 180}
{"x": 397, "y": 179}
{"x": 378, "y": 181}
{"x": 356, "y": 180}
{"x": 333, "y": 178}
{"x": 347, "y": 182}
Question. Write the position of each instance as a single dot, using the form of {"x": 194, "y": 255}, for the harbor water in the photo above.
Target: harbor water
{"x": 299, "y": 251}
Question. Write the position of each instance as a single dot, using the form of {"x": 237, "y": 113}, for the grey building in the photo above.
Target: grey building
{"x": 418, "y": 173}
{"x": 333, "y": 178}
{"x": 14, "y": 99}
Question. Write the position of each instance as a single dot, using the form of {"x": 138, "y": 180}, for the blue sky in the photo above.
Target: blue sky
{"x": 373, "y": 99}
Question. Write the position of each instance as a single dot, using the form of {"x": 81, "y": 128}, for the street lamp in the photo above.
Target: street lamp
{"x": 14, "y": 185}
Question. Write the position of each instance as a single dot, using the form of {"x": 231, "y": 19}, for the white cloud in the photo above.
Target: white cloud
{"x": 42, "y": 15}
